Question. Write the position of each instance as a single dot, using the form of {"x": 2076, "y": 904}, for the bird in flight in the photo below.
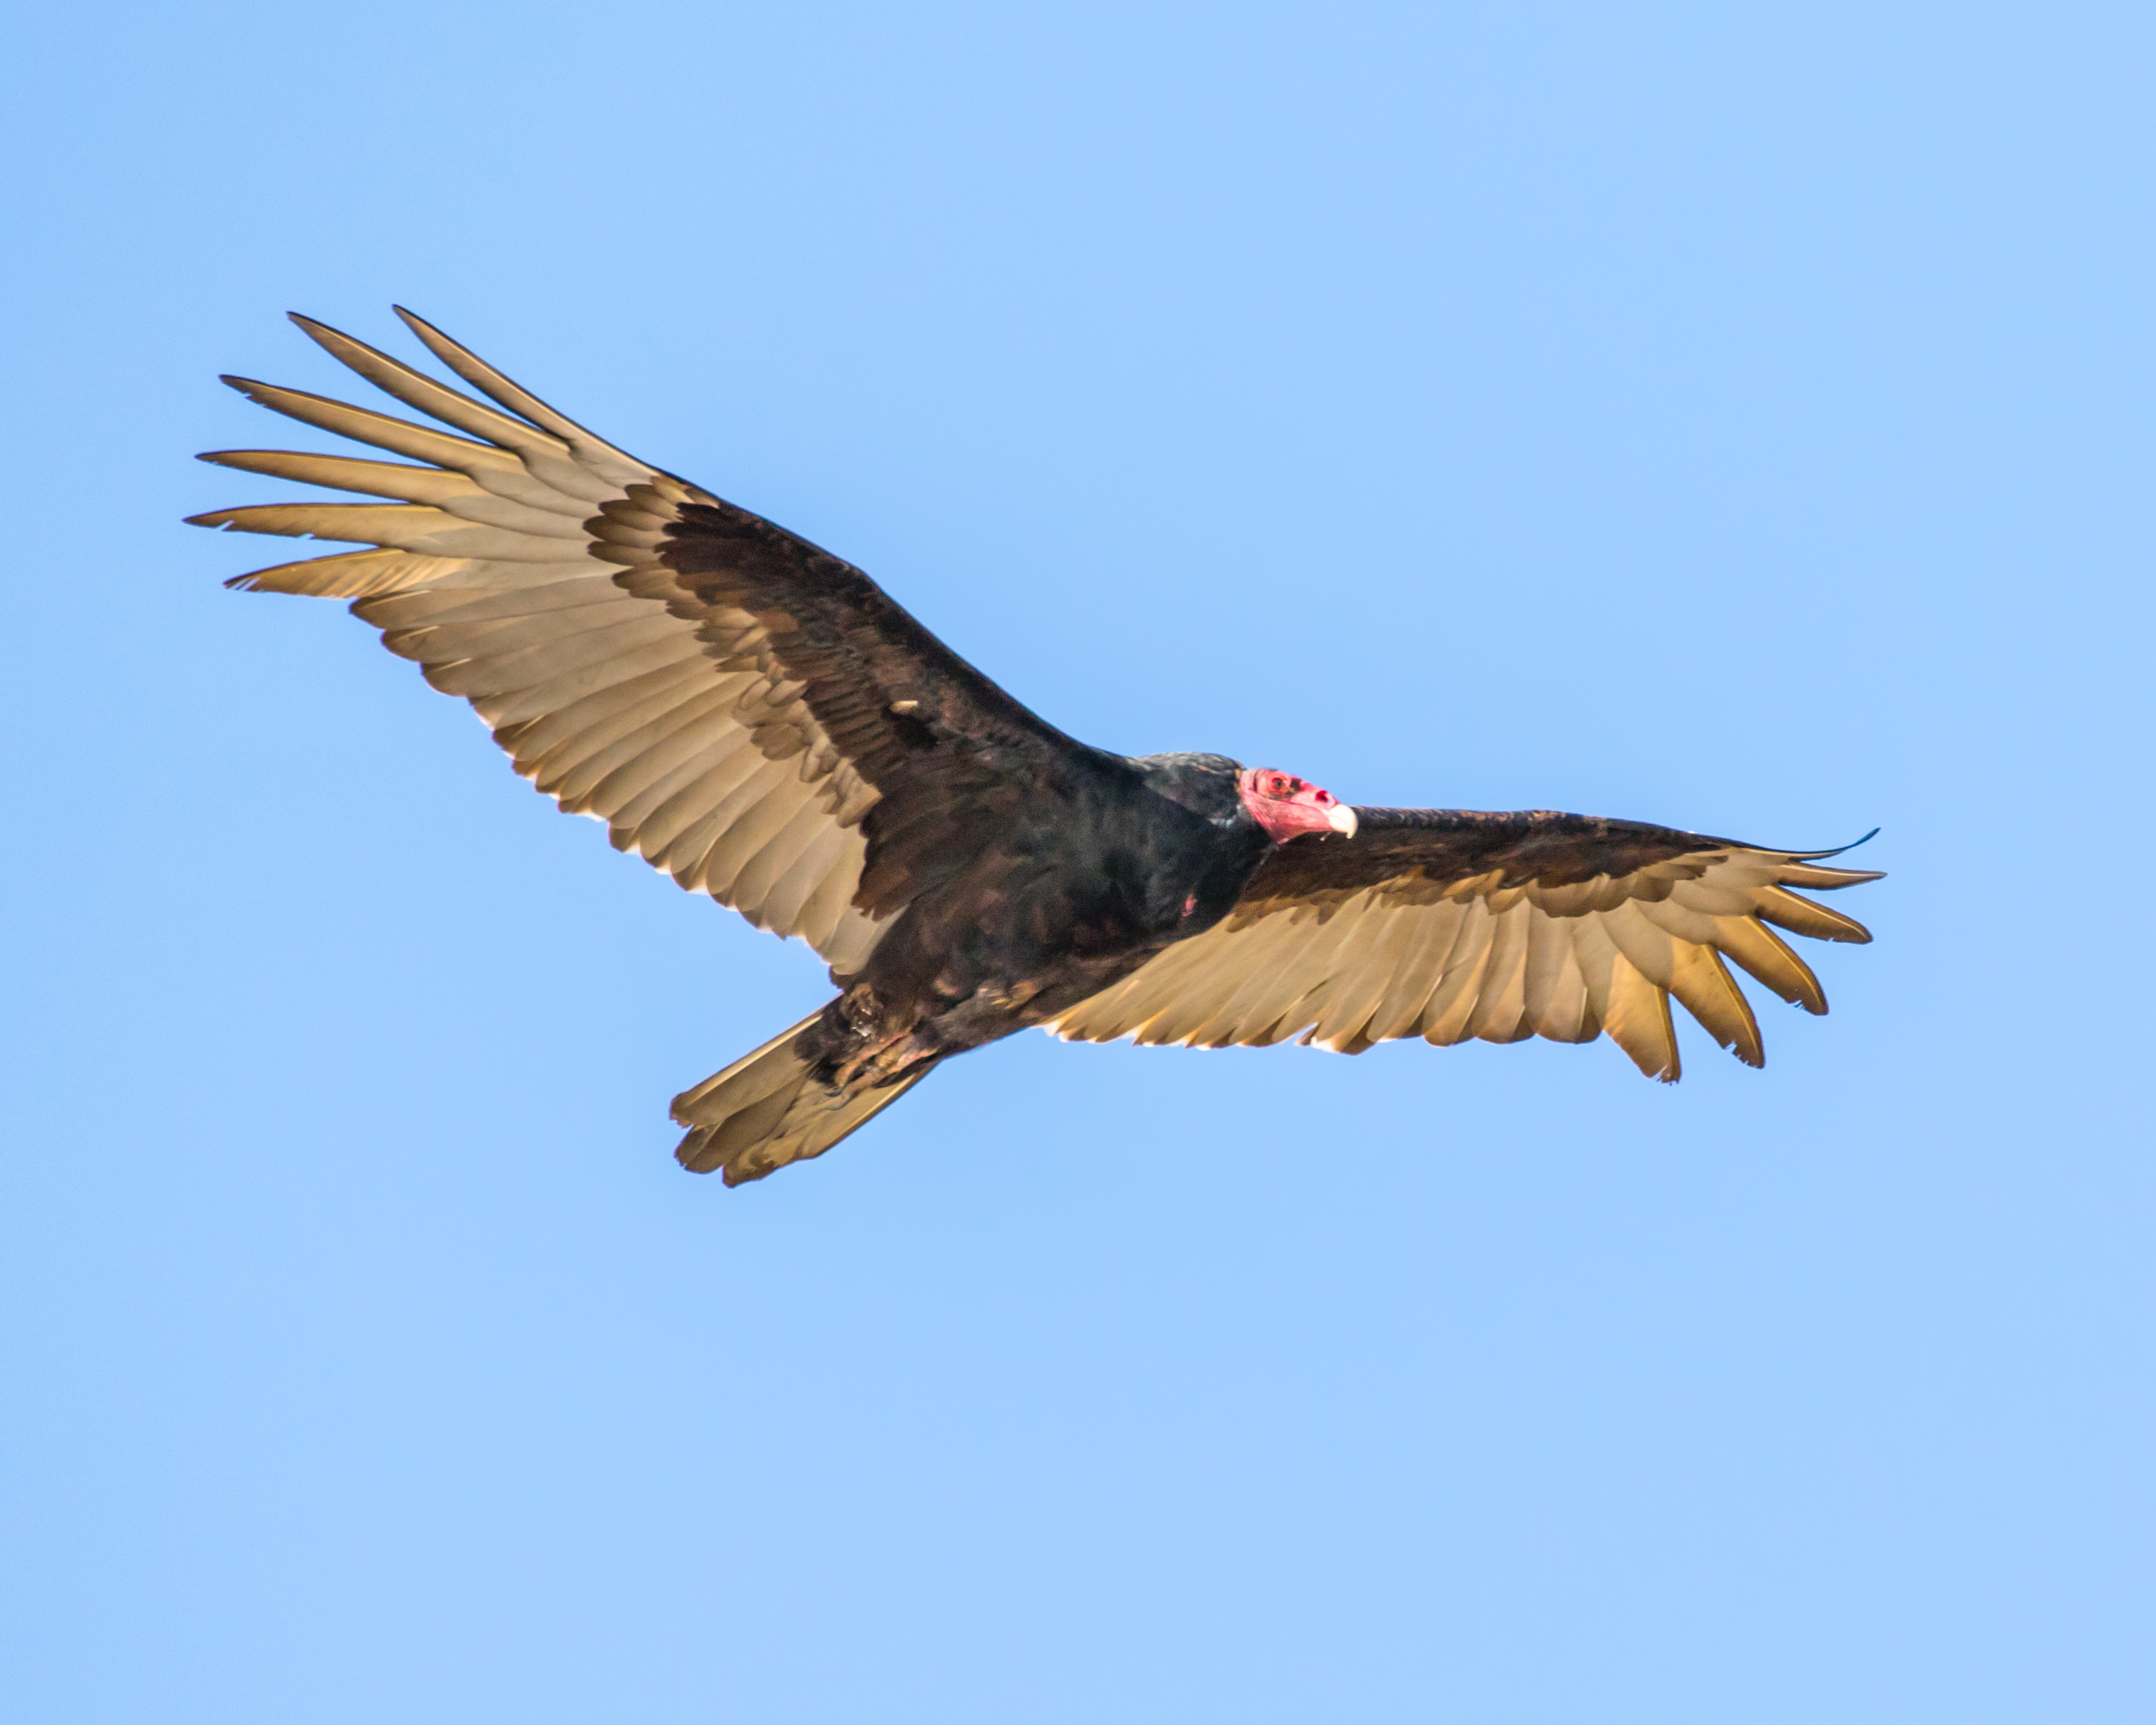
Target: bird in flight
{"x": 759, "y": 719}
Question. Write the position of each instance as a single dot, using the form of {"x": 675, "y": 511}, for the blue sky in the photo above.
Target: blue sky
{"x": 1733, "y": 416}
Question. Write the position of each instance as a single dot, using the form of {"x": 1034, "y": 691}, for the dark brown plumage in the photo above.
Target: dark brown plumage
{"x": 759, "y": 719}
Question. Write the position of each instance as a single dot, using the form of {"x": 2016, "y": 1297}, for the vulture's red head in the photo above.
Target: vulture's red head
{"x": 1286, "y": 806}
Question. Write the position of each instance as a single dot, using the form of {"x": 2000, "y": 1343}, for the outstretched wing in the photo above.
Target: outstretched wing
{"x": 1448, "y": 924}
{"x": 745, "y": 711}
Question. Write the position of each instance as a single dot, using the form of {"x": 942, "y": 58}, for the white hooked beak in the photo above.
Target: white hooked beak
{"x": 1342, "y": 818}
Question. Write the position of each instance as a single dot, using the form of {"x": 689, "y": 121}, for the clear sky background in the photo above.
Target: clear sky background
{"x": 1736, "y": 417}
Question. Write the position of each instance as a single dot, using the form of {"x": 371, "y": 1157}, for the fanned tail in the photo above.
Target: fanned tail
{"x": 768, "y": 1109}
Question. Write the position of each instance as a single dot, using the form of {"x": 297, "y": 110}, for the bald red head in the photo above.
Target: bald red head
{"x": 1286, "y": 806}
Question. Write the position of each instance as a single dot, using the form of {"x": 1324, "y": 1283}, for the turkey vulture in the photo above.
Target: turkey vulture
{"x": 757, "y": 718}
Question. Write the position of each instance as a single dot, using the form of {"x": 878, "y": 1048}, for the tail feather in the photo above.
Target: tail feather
{"x": 767, "y": 1109}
